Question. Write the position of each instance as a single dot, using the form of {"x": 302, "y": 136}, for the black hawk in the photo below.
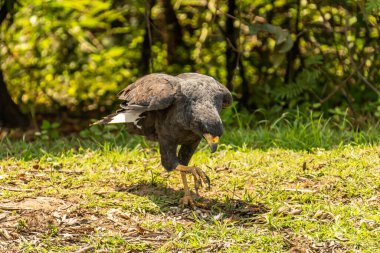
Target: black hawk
{"x": 175, "y": 111}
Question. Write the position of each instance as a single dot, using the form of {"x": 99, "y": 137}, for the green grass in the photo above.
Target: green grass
{"x": 283, "y": 187}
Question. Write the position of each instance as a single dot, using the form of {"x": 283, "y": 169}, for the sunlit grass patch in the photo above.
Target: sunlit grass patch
{"x": 113, "y": 195}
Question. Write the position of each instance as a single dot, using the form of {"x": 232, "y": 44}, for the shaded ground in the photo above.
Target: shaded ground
{"x": 113, "y": 199}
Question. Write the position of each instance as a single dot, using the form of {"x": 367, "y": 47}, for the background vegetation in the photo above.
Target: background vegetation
{"x": 69, "y": 58}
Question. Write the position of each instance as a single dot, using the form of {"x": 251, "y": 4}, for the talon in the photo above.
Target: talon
{"x": 187, "y": 200}
{"x": 200, "y": 177}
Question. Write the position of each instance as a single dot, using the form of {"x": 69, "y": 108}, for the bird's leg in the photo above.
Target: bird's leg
{"x": 198, "y": 174}
{"x": 199, "y": 177}
{"x": 171, "y": 161}
{"x": 187, "y": 200}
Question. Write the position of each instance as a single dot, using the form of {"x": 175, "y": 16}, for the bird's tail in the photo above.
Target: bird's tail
{"x": 122, "y": 116}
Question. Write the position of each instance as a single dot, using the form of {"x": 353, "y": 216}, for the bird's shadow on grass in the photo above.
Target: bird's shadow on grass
{"x": 167, "y": 199}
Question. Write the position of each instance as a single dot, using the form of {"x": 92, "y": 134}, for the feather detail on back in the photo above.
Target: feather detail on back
{"x": 122, "y": 116}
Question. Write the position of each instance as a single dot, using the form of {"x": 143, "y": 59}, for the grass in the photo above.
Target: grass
{"x": 286, "y": 187}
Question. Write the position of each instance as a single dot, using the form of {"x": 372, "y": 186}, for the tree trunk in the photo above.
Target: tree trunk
{"x": 146, "y": 65}
{"x": 292, "y": 55}
{"x": 177, "y": 52}
{"x": 233, "y": 57}
{"x": 10, "y": 114}
{"x": 244, "y": 85}
{"x": 231, "y": 51}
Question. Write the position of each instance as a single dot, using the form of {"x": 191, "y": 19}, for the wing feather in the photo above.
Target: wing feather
{"x": 152, "y": 92}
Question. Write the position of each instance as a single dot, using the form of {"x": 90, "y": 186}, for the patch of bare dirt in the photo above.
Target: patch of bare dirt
{"x": 46, "y": 220}
{"x": 40, "y": 203}
{"x": 303, "y": 184}
{"x": 304, "y": 244}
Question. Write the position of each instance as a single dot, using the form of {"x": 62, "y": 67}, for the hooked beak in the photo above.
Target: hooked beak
{"x": 212, "y": 141}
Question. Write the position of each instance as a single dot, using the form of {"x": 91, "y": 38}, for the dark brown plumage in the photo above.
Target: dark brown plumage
{"x": 174, "y": 110}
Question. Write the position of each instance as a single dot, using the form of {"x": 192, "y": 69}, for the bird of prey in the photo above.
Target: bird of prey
{"x": 175, "y": 111}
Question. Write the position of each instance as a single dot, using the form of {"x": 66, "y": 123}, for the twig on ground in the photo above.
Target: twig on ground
{"x": 300, "y": 190}
{"x": 3, "y": 215}
{"x": 16, "y": 189}
{"x": 71, "y": 172}
{"x": 5, "y": 234}
{"x": 11, "y": 208}
{"x": 85, "y": 249}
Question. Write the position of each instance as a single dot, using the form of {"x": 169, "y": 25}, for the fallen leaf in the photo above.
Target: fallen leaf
{"x": 85, "y": 249}
{"x": 140, "y": 229}
{"x": 123, "y": 215}
{"x": 369, "y": 224}
{"x": 218, "y": 216}
{"x": 4, "y": 233}
{"x": 340, "y": 237}
{"x": 304, "y": 167}
{"x": 287, "y": 210}
{"x": 222, "y": 169}
{"x": 3, "y": 216}
{"x": 231, "y": 219}
{"x": 324, "y": 216}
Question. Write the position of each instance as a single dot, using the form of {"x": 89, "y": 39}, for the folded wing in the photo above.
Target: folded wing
{"x": 149, "y": 93}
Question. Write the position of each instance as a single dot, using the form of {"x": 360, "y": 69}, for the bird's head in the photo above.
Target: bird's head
{"x": 206, "y": 97}
{"x": 206, "y": 119}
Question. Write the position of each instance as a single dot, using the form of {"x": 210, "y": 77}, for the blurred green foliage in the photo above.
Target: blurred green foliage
{"x": 49, "y": 131}
{"x": 61, "y": 53}
{"x": 305, "y": 54}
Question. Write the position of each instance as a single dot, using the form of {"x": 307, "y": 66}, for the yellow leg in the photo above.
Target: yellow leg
{"x": 187, "y": 200}
{"x": 198, "y": 175}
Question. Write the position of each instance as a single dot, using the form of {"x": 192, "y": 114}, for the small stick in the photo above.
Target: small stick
{"x": 300, "y": 190}
{"x": 16, "y": 189}
{"x": 11, "y": 208}
{"x": 85, "y": 249}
